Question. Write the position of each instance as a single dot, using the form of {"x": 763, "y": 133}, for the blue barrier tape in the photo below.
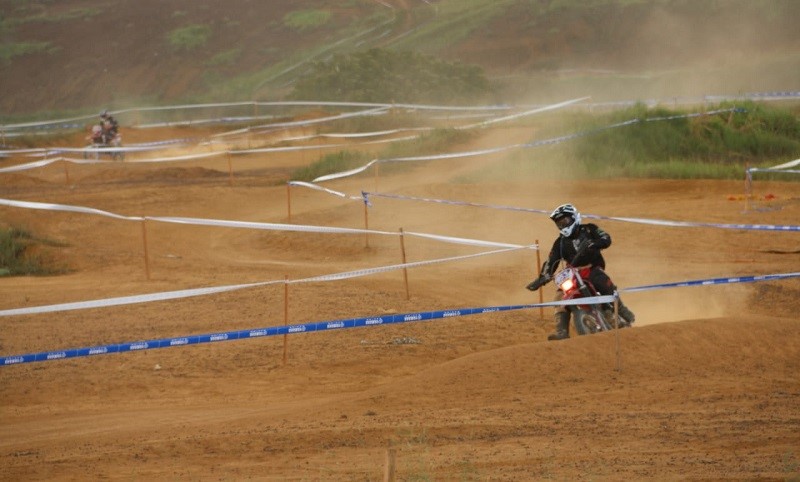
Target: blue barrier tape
{"x": 352, "y": 323}
{"x": 251, "y": 333}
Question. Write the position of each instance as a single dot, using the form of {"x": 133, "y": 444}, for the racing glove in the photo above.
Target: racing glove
{"x": 537, "y": 283}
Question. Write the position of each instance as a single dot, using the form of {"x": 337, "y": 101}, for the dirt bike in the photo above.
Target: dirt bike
{"x": 99, "y": 142}
{"x": 587, "y": 318}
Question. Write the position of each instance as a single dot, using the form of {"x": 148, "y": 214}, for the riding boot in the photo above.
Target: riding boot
{"x": 562, "y": 327}
{"x": 625, "y": 313}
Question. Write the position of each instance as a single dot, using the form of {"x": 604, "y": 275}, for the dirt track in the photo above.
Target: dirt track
{"x": 707, "y": 385}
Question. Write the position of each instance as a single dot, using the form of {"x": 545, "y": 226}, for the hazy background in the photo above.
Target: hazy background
{"x": 73, "y": 55}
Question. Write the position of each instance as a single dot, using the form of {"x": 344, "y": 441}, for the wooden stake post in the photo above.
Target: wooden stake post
{"x": 366, "y": 225}
{"x": 618, "y": 365}
{"x": 403, "y": 255}
{"x": 538, "y": 264}
{"x": 230, "y": 169}
{"x": 285, "y": 317}
{"x": 288, "y": 202}
{"x": 391, "y": 463}
{"x": 146, "y": 254}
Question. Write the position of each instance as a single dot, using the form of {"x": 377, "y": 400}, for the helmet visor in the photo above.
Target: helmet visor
{"x": 564, "y": 221}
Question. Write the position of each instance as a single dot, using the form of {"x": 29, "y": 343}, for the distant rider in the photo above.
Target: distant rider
{"x": 96, "y": 136}
{"x": 110, "y": 127}
{"x": 588, "y": 239}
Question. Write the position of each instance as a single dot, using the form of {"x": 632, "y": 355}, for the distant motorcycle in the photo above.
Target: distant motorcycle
{"x": 99, "y": 140}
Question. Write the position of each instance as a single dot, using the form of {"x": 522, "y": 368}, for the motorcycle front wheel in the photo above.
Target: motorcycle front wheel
{"x": 586, "y": 323}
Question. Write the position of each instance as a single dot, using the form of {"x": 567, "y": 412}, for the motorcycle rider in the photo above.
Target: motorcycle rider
{"x": 110, "y": 127}
{"x": 585, "y": 241}
{"x": 96, "y": 135}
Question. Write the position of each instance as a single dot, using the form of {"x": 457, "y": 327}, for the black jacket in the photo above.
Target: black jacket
{"x": 565, "y": 248}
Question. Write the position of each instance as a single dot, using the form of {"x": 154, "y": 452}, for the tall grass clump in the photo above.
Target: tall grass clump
{"x": 665, "y": 143}
{"x": 330, "y": 163}
{"x": 18, "y": 256}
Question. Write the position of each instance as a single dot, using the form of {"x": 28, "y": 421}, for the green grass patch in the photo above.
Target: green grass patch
{"x": 450, "y": 22}
{"x": 756, "y": 133}
{"x": 37, "y": 14}
{"x": 19, "y": 254}
{"x": 228, "y": 57}
{"x": 9, "y": 51}
{"x": 302, "y": 20}
{"x": 379, "y": 75}
{"x": 191, "y": 37}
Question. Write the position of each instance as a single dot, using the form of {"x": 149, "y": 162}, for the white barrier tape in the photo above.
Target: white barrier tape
{"x": 656, "y": 222}
{"x": 652, "y": 102}
{"x": 384, "y": 269}
{"x": 106, "y": 150}
{"x": 86, "y": 161}
{"x": 456, "y": 203}
{"x": 231, "y": 133}
{"x": 380, "y": 133}
{"x": 774, "y": 170}
{"x": 454, "y": 155}
{"x": 246, "y": 224}
{"x": 351, "y": 172}
{"x": 470, "y": 242}
{"x": 36, "y": 150}
{"x": 38, "y": 164}
{"x": 199, "y": 122}
{"x": 375, "y": 111}
{"x": 63, "y": 207}
{"x": 794, "y": 163}
{"x": 172, "y": 295}
{"x": 714, "y": 281}
{"x": 527, "y": 113}
{"x": 176, "y": 158}
{"x": 324, "y": 189}
{"x": 34, "y": 165}
{"x": 266, "y": 226}
{"x": 262, "y": 150}
{"x": 130, "y": 300}
{"x": 29, "y": 165}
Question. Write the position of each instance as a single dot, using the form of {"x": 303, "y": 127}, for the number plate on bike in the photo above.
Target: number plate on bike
{"x": 563, "y": 275}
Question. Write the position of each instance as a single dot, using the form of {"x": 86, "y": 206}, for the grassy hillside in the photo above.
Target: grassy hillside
{"x": 68, "y": 55}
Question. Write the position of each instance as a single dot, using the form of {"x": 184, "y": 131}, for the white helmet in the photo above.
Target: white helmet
{"x": 567, "y": 219}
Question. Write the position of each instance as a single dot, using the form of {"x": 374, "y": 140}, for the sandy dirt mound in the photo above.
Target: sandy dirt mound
{"x": 704, "y": 387}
